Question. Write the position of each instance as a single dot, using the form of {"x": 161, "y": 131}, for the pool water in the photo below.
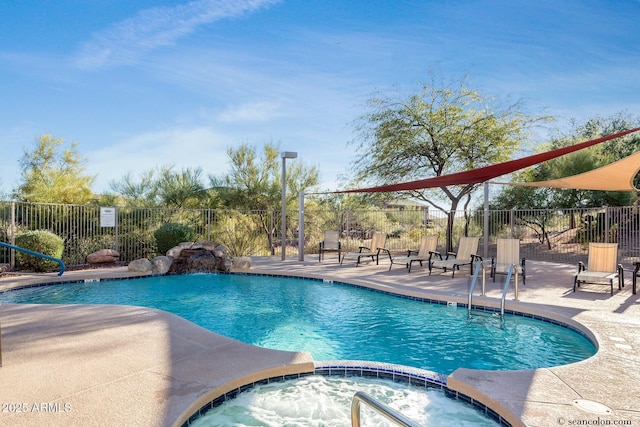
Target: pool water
{"x": 335, "y": 321}
{"x": 316, "y": 401}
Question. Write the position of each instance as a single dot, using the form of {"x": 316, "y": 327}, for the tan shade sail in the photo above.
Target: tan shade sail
{"x": 617, "y": 176}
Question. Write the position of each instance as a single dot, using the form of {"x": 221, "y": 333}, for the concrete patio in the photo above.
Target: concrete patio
{"x": 118, "y": 365}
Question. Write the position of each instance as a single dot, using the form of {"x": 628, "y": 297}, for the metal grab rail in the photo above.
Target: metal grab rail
{"x": 474, "y": 279}
{"x": 506, "y": 286}
{"x": 387, "y": 412}
{"x": 27, "y": 251}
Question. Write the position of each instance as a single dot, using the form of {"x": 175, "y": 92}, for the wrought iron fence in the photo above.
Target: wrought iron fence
{"x": 549, "y": 235}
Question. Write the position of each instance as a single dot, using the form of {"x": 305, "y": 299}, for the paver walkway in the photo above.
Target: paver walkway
{"x": 115, "y": 365}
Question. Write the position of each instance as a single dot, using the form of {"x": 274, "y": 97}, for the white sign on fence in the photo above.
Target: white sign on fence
{"x": 107, "y": 217}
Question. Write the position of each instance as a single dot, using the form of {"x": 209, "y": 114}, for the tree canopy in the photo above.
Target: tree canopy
{"x": 163, "y": 186}
{"x": 576, "y": 163}
{"x": 52, "y": 175}
{"x": 445, "y": 128}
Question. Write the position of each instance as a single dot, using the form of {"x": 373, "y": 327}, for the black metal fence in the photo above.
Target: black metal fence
{"x": 549, "y": 235}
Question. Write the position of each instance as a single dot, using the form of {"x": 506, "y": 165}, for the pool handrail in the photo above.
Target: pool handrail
{"x": 512, "y": 267}
{"x": 474, "y": 279}
{"x": 384, "y": 410}
{"x": 38, "y": 254}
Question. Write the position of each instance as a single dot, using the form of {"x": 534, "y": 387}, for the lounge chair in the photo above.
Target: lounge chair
{"x": 331, "y": 243}
{"x": 602, "y": 266}
{"x": 428, "y": 245}
{"x": 378, "y": 240}
{"x": 466, "y": 255}
{"x": 508, "y": 254}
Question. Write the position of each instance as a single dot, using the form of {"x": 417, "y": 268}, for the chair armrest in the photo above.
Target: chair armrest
{"x": 581, "y": 266}
{"x": 635, "y": 270}
{"x": 453, "y": 254}
{"x": 385, "y": 250}
{"x": 412, "y": 251}
{"x": 475, "y": 257}
{"x": 362, "y": 247}
{"x": 438, "y": 254}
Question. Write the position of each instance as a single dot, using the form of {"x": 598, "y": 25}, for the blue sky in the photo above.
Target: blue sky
{"x": 139, "y": 84}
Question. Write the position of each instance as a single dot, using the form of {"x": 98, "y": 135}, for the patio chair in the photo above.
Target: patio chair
{"x": 601, "y": 266}
{"x": 466, "y": 255}
{"x": 428, "y": 245}
{"x": 508, "y": 254}
{"x": 378, "y": 240}
{"x": 331, "y": 243}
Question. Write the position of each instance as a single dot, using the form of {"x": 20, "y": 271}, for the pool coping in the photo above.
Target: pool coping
{"x": 415, "y": 377}
{"x": 538, "y": 397}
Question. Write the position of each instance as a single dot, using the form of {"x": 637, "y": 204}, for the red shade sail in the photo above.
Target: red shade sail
{"x": 476, "y": 176}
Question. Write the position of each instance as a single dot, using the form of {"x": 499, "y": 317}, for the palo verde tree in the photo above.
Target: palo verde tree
{"x": 445, "y": 128}
{"x": 255, "y": 182}
{"x": 51, "y": 174}
{"x": 164, "y": 187}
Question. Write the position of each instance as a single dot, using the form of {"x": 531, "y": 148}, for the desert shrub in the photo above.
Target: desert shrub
{"x": 40, "y": 241}
{"x": 170, "y": 234}
{"x": 79, "y": 247}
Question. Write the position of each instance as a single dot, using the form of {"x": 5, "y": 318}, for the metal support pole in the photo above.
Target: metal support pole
{"x": 283, "y": 226}
{"x": 486, "y": 220}
{"x": 301, "y": 226}
{"x": 12, "y": 236}
{"x": 283, "y": 207}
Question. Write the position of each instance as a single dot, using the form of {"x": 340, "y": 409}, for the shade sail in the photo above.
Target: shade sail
{"x": 617, "y": 176}
{"x": 476, "y": 176}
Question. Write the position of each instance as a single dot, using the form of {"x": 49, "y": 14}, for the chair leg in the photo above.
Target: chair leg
{"x": 575, "y": 283}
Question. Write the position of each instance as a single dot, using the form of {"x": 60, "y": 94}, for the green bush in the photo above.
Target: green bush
{"x": 170, "y": 234}
{"x": 40, "y": 241}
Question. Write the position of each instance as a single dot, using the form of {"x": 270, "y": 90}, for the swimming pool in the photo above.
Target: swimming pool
{"x": 334, "y": 321}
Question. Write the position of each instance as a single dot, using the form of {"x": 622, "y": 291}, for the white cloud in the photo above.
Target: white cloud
{"x": 251, "y": 112}
{"x": 197, "y": 147}
{"x": 125, "y": 41}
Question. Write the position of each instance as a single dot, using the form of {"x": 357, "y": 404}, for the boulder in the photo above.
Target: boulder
{"x": 174, "y": 252}
{"x": 161, "y": 265}
{"x": 103, "y": 256}
{"x": 208, "y": 245}
{"x": 220, "y": 251}
{"x": 141, "y": 265}
{"x": 242, "y": 263}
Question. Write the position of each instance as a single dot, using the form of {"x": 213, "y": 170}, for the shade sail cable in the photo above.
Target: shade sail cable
{"x": 486, "y": 173}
